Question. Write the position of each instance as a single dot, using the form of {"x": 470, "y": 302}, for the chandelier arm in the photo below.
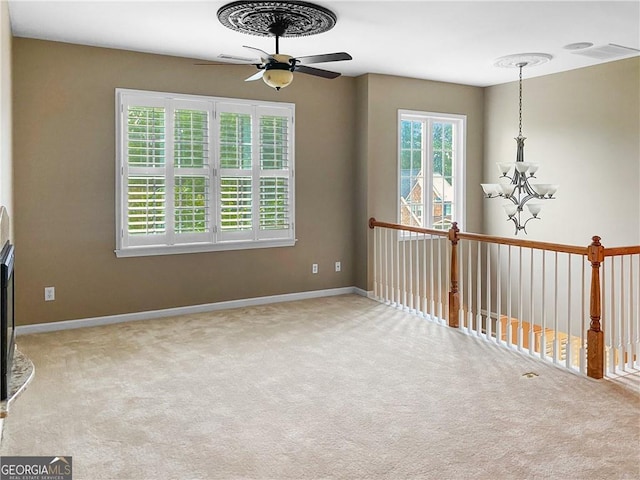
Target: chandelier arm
{"x": 527, "y": 198}
{"x": 524, "y": 227}
{"x": 513, "y": 199}
{"x": 516, "y": 178}
{"x": 515, "y": 223}
{"x": 529, "y": 189}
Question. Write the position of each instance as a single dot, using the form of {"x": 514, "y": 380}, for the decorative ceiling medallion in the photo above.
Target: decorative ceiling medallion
{"x": 528, "y": 59}
{"x": 285, "y": 19}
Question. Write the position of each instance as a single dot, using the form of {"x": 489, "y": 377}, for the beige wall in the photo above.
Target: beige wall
{"x": 360, "y": 233}
{"x": 6, "y": 173}
{"x": 385, "y": 96}
{"x": 583, "y": 128}
{"x": 64, "y": 187}
{"x": 346, "y": 156}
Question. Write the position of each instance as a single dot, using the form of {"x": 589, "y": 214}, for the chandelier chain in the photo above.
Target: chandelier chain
{"x": 520, "y": 103}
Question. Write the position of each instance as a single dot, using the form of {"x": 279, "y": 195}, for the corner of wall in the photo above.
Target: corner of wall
{"x": 361, "y": 184}
{"x": 6, "y": 153}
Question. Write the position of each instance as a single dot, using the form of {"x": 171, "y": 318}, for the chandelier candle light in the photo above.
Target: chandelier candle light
{"x": 516, "y": 185}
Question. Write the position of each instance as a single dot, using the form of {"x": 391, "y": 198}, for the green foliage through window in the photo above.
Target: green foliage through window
{"x": 274, "y": 203}
{"x": 191, "y": 204}
{"x": 145, "y": 136}
{"x": 236, "y": 203}
{"x": 191, "y": 138}
{"x": 146, "y": 205}
{"x": 235, "y": 140}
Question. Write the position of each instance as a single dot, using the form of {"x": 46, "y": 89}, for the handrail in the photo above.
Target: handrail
{"x": 610, "y": 252}
{"x": 396, "y": 226}
{"x": 555, "y": 247}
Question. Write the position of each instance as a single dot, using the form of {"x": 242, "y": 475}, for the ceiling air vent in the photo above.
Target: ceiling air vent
{"x": 607, "y": 52}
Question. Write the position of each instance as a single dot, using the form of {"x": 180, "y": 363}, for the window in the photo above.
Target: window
{"x": 201, "y": 173}
{"x": 431, "y": 175}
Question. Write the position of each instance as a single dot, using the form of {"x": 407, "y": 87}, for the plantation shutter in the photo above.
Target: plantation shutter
{"x": 166, "y": 171}
{"x": 275, "y": 172}
{"x": 256, "y": 172}
{"x": 197, "y": 174}
{"x": 192, "y": 199}
{"x": 235, "y": 156}
{"x": 144, "y": 205}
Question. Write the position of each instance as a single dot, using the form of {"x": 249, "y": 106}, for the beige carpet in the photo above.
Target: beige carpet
{"x": 331, "y": 388}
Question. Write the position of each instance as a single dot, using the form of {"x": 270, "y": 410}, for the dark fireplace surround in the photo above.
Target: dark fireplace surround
{"x": 7, "y": 318}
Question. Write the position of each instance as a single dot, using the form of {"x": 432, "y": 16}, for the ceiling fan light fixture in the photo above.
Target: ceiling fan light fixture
{"x": 277, "y": 78}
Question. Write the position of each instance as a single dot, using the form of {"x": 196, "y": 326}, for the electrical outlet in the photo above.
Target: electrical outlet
{"x": 49, "y": 294}
{"x": 338, "y": 266}
{"x": 314, "y": 268}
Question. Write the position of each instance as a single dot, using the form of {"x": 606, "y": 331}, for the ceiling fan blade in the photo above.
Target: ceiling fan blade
{"x": 265, "y": 56}
{"x": 316, "y": 72}
{"x": 234, "y": 58}
{"x": 255, "y": 76}
{"x": 215, "y": 64}
{"x": 326, "y": 57}
{"x": 225, "y": 64}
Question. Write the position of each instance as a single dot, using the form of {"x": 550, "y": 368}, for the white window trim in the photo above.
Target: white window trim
{"x": 212, "y": 242}
{"x": 460, "y": 142}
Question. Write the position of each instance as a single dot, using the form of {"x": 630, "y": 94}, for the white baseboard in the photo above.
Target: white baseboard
{"x": 170, "y": 312}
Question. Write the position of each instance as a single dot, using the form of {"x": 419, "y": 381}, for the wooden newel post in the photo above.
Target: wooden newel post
{"x": 454, "y": 295}
{"x": 595, "y": 335}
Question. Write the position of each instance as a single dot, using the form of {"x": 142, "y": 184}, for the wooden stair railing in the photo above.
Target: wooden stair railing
{"x": 595, "y": 253}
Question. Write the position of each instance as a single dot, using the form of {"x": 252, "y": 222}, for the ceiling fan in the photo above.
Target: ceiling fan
{"x": 280, "y": 19}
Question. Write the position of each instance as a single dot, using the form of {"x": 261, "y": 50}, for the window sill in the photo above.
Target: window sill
{"x": 153, "y": 250}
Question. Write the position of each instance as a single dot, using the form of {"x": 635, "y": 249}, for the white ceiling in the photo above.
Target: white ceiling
{"x": 451, "y": 41}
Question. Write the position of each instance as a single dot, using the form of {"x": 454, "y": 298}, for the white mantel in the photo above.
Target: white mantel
{"x": 4, "y": 226}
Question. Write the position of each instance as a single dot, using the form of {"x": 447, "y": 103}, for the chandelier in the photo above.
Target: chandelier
{"x": 516, "y": 177}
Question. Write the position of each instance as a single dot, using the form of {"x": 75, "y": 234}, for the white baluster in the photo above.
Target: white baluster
{"x": 509, "y": 327}
{"x": 469, "y": 289}
{"x": 425, "y": 304}
{"x": 376, "y": 254}
{"x": 417, "y": 270}
{"x": 612, "y": 319}
{"x": 532, "y": 320}
{"x": 543, "y": 336}
{"x": 410, "y": 303}
{"x": 520, "y": 331}
{"x": 489, "y": 318}
{"x": 569, "y": 346}
{"x": 499, "y": 330}
{"x": 556, "y": 340}
{"x": 583, "y": 322}
{"x": 479, "y": 291}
